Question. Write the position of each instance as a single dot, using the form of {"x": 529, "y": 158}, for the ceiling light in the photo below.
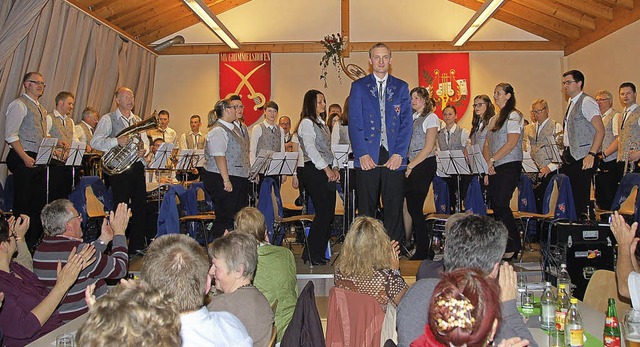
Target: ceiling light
{"x": 479, "y": 18}
{"x": 209, "y": 18}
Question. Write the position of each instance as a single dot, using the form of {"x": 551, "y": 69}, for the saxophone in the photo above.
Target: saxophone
{"x": 120, "y": 158}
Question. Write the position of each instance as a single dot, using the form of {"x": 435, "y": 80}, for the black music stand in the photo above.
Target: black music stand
{"x": 76, "y": 152}
{"x": 45, "y": 152}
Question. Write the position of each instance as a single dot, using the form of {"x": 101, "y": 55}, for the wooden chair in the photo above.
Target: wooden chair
{"x": 274, "y": 335}
{"x": 528, "y": 216}
{"x": 601, "y": 287}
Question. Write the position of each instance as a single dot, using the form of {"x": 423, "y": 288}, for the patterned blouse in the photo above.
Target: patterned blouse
{"x": 384, "y": 286}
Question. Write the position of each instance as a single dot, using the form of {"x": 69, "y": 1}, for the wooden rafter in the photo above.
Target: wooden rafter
{"x": 550, "y": 22}
{"x": 628, "y": 4}
{"x": 418, "y": 46}
{"x": 590, "y": 7}
{"x": 552, "y": 9}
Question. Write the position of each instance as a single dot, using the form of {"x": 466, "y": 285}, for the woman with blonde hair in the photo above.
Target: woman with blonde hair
{"x": 369, "y": 263}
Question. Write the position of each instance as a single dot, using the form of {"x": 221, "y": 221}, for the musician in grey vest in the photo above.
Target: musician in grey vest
{"x": 62, "y": 128}
{"x": 25, "y": 127}
{"x": 319, "y": 174}
{"x": 539, "y": 134}
{"x": 629, "y": 140}
{"x": 483, "y": 110}
{"x": 128, "y": 187}
{"x": 267, "y": 135}
{"x": 503, "y": 153}
{"x": 609, "y": 172}
{"x": 86, "y": 127}
{"x": 583, "y": 134}
{"x": 193, "y": 139}
{"x": 421, "y": 169}
{"x": 454, "y": 137}
{"x": 226, "y": 168}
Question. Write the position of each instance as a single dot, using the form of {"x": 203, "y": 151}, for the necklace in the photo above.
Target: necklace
{"x": 248, "y": 285}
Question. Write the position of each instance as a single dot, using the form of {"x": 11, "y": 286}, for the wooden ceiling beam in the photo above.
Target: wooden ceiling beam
{"x": 131, "y": 11}
{"x": 170, "y": 23}
{"x": 628, "y": 4}
{"x": 623, "y": 17}
{"x": 154, "y": 16}
{"x": 550, "y": 22}
{"x": 418, "y": 46}
{"x": 552, "y": 9}
{"x": 518, "y": 22}
{"x": 590, "y": 7}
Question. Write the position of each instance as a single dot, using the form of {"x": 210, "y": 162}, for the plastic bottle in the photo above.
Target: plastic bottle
{"x": 547, "y": 308}
{"x": 562, "y": 306}
{"x": 522, "y": 290}
{"x": 611, "y": 335}
{"x": 573, "y": 331}
{"x": 563, "y": 277}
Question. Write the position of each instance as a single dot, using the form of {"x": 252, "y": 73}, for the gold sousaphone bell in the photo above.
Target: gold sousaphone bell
{"x": 120, "y": 158}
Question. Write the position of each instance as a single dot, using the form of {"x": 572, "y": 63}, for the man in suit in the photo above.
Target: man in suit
{"x": 380, "y": 127}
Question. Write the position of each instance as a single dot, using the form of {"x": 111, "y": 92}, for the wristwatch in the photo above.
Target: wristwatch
{"x": 592, "y": 154}
{"x": 491, "y": 160}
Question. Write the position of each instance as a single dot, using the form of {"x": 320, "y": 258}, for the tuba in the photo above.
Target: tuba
{"x": 120, "y": 158}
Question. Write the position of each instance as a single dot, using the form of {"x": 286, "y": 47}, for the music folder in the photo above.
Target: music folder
{"x": 75, "y": 153}
{"x": 46, "y": 150}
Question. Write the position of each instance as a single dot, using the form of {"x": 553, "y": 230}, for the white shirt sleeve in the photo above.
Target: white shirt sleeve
{"x": 432, "y": 121}
{"x": 464, "y": 137}
{"x": 49, "y": 124}
{"x": 282, "y": 149}
{"x": 183, "y": 141}
{"x": 308, "y": 137}
{"x": 16, "y": 112}
{"x": 295, "y": 139}
{"x": 514, "y": 123}
{"x": 256, "y": 132}
{"x": 335, "y": 136}
{"x": 82, "y": 137}
{"x": 217, "y": 140}
{"x": 590, "y": 108}
{"x": 101, "y": 140}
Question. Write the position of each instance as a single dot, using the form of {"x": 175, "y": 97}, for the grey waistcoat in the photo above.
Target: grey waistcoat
{"x": 540, "y": 155}
{"x": 60, "y": 131}
{"x": 33, "y": 126}
{"x": 237, "y": 155}
{"x": 269, "y": 140}
{"x": 454, "y": 140}
{"x": 190, "y": 144}
{"x": 629, "y": 134}
{"x": 479, "y": 136}
{"x": 608, "y": 134}
{"x": 581, "y": 131}
{"x": 418, "y": 138}
{"x": 322, "y": 142}
{"x": 117, "y": 124}
{"x": 87, "y": 132}
{"x": 498, "y": 138}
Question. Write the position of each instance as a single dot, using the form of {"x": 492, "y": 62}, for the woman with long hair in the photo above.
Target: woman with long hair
{"x": 369, "y": 263}
{"x": 319, "y": 174}
{"x": 483, "y": 110}
{"x": 503, "y": 153}
{"x": 422, "y": 166}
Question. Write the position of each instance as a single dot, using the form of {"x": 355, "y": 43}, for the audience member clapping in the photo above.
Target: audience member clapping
{"x": 369, "y": 263}
{"x": 235, "y": 258}
{"x": 276, "y": 273}
{"x": 627, "y": 269}
{"x": 131, "y": 314}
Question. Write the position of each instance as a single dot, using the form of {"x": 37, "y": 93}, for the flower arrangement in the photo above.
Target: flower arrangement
{"x": 334, "y": 44}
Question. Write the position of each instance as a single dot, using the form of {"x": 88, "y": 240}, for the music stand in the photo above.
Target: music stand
{"x": 187, "y": 160}
{"x": 76, "y": 152}
{"x": 160, "y": 159}
{"x": 281, "y": 163}
{"x": 528, "y": 165}
{"x": 45, "y": 151}
{"x": 477, "y": 162}
{"x": 552, "y": 150}
{"x": 454, "y": 163}
{"x": 341, "y": 152}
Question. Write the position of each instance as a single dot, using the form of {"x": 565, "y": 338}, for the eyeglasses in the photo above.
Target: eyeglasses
{"x": 40, "y": 83}
{"x": 538, "y": 111}
{"x": 566, "y": 83}
{"x": 602, "y": 100}
{"x": 479, "y": 104}
{"x": 74, "y": 217}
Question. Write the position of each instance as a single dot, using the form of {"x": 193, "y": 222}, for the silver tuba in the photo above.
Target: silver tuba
{"x": 120, "y": 158}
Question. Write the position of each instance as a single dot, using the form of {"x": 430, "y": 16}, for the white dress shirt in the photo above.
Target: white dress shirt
{"x": 194, "y": 137}
{"x": 217, "y": 139}
{"x": 64, "y": 119}
{"x": 590, "y": 109}
{"x": 79, "y": 132}
{"x": 256, "y": 133}
{"x": 101, "y": 140}
{"x": 16, "y": 111}
{"x": 204, "y": 328}
{"x": 308, "y": 136}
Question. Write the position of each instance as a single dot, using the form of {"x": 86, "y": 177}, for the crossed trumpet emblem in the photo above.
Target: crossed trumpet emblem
{"x": 258, "y": 98}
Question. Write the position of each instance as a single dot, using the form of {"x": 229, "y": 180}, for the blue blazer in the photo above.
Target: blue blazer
{"x": 365, "y": 119}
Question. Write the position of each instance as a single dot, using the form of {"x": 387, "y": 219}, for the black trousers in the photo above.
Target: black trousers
{"x": 416, "y": 190}
{"x": 129, "y": 187}
{"x": 227, "y": 204}
{"x": 580, "y": 181}
{"x": 323, "y": 195}
{"x": 29, "y": 194}
{"x": 607, "y": 181}
{"x": 369, "y": 185}
{"x": 502, "y": 186}
{"x": 539, "y": 191}
{"x": 452, "y": 184}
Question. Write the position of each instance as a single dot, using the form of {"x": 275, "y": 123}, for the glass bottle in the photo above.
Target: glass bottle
{"x": 563, "y": 277}
{"x": 562, "y": 306}
{"x": 611, "y": 334}
{"x": 547, "y": 308}
{"x": 573, "y": 331}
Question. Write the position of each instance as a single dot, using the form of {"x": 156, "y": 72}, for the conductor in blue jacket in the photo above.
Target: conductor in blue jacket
{"x": 380, "y": 126}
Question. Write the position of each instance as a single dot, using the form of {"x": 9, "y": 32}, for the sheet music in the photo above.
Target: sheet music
{"x": 341, "y": 152}
{"x": 198, "y": 158}
{"x": 184, "y": 159}
{"x": 162, "y": 154}
{"x": 75, "y": 153}
{"x": 282, "y": 163}
{"x": 441, "y": 170}
{"x": 528, "y": 165}
{"x": 553, "y": 150}
{"x": 459, "y": 162}
{"x": 262, "y": 161}
{"x": 46, "y": 150}
{"x": 477, "y": 162}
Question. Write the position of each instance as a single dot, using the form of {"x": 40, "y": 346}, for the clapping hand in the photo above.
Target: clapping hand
{"x": 395, "y": 255}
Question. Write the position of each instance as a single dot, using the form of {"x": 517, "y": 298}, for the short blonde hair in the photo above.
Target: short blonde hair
{"x": 542, "y": 102}
{"x": 251, "y": 221}
{"x": 366, "y": 248}
{"x": 131, "y": 315}
{"x": 239, "y": 252}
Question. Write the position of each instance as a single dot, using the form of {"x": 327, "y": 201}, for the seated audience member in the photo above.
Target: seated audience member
{"x": 627, "y": 269}
{"x": 29, "y": 308}
{"x": 131, "y": 314}
{"x": 475, "y": 242}
{"x": 63, "y": 233}
{"x": 235, "y": 258}
{"x": 465, "y": 311}
{"x": 435, "y": 268}
{"x": 276, "y": 273}
{"x": 177, "y": 266}
{"x": 369, "y": 264}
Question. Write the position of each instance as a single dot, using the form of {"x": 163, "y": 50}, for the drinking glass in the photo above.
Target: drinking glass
{"x": 631, "y": 328}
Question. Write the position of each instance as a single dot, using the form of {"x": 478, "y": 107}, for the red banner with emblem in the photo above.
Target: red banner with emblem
{"x": 247, "y": 74}
{"x": 446, "y": 75}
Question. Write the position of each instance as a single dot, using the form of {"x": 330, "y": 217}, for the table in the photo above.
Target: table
{"x": 592, "y": 320}
{"x": 50, "y": 339}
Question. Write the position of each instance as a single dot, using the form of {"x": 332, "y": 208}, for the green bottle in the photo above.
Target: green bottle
{"x": 611, "y": 335}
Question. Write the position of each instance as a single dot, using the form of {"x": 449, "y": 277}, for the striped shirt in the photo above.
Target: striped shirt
{"x": 54, "y": 248}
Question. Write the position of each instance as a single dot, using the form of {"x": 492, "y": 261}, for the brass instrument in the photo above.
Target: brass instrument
{"x": 120, "y": 158}
{"x": 632, "y": 147}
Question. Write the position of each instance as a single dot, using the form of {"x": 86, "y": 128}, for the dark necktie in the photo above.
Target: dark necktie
{"x": 624, "y": 118}
{"x": 566, "y": 116}
{"x": 381, "y": 92}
